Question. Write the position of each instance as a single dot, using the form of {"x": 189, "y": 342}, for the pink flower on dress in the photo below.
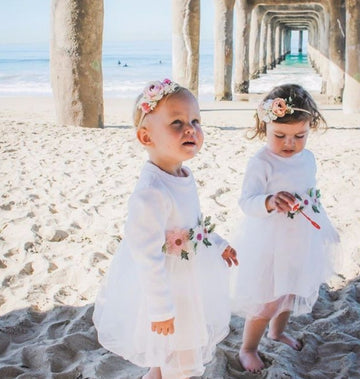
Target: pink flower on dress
{"x": 176, "y": 241}
{"x": 184, "y": 242}
{"x": 200, "y": 233}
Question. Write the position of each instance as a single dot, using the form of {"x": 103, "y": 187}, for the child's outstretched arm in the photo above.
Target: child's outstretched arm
{"x": 229, "y": 255}
{"x": 163, "y": 327}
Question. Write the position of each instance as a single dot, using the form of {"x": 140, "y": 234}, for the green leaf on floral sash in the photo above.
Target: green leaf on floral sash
{"x": 206, "y": 242}
{"x": 184, "y": 255}
{"x": 211, "y": 229}
{"x": 315, "y": 209}
{"x": 207, "y": 220}
{"x": 298, "y": 196}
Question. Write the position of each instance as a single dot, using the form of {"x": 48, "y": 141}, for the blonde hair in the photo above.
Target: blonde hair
{"x": 301, "y": 100}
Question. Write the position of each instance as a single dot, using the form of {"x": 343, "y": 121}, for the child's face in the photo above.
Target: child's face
{"x": 173, "y": 131}
{"x": 286, "y": 140}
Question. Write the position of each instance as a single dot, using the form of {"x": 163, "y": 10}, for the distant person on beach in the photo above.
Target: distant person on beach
{"x": 286, "y": 241}
{"x": 165, "y": 302}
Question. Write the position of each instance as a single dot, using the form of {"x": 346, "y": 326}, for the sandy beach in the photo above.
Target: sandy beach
{"x": 64, "y": 193}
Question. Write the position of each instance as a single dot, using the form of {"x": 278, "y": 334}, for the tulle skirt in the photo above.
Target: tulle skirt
{"x": 200, "y": 291}
{"x": 282, "y": 263}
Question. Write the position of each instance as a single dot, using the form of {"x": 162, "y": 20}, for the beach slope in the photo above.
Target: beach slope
{"x": 64, "y": 193}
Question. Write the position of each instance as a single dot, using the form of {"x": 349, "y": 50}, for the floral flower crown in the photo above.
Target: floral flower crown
{"x": 153, "y": 93}
{"x": 271, "y": 109}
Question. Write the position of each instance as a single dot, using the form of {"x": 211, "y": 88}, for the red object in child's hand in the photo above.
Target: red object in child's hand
{"x": 296, "y": 207}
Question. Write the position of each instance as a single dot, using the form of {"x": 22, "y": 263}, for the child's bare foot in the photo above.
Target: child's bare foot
{"x": 153, "y": 373}
{"x": 250, "y": 360}
{"x": 288, "y": 340}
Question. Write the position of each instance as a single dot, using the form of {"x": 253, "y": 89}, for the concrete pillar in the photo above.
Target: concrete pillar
{"x": 223, "y": 56}
{"x": 336, "y": 51}
{"x": 270, "y": 64}
{"x": 283, "y": 43}
{"x": 351, "y": 98}
{"x": 300, "y": 41}
{"x": 277, "y": 44}
{"x": 256, "y": 16}
{"x": 185, "y": 43}
{"x": 263, "y": 52}
{"x": 241, "y": 74}
{"x": 75, "y": 62}
{"x": 288, "y": 41}
{"x": 318, "y": 46}
{"x": 323, "y": 48}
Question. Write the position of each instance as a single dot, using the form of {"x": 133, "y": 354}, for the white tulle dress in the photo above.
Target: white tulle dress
{"x": 283, "y": 258}
{"x": 166, "y": 266}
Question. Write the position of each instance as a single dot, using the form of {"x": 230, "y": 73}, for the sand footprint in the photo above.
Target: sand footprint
{"x": 34, "y": 357}
{"x": 81, "y": 341}
{"x": 57, "y": 329}
{"x": 60, "y": 357}
{"x": 10, "y": 372}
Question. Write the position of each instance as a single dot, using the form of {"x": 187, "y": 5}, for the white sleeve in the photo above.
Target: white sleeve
{"x": 220, "y": 242}
{"x": 145, "y": 233}
{"x": 253, "y": 196}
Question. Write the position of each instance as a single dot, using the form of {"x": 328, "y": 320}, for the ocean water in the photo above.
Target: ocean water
{"x": 294, "y": 69}
{"x": 128, "y": 66}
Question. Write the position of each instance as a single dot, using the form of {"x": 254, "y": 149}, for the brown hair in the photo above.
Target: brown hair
{"x": 299, "y": 98}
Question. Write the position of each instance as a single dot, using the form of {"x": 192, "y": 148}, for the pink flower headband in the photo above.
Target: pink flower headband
{"x": 269, "y": 110}
{"x": 153, "y": 93}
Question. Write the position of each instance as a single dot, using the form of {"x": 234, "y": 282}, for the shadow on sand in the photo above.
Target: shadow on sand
{"x": 62, "y": 343}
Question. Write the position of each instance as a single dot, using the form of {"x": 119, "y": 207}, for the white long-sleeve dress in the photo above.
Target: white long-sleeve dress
{"x": 163, "y": 269}
{"x": 283, "y": 258}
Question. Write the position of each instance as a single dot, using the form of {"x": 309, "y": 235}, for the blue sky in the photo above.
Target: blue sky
{"x": 28, "y": 21}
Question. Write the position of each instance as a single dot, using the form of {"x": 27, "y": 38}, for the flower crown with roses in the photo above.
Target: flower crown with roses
{"x": 271, "y": 109}
{"x": 152, "y": 94}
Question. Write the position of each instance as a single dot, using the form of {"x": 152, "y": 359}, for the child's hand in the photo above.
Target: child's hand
{"x": 229, "y": 255}
{"x": 163, "y": 327}
{"x": 281, "y": 202}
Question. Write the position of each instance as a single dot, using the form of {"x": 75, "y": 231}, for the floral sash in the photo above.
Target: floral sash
{"x": 310, "y": 199}
{"x": 184, "y": 242}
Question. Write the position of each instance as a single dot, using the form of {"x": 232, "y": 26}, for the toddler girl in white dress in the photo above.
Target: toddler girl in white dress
{"x": 286, "y": 241}
{"x": 165, "y": 302}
